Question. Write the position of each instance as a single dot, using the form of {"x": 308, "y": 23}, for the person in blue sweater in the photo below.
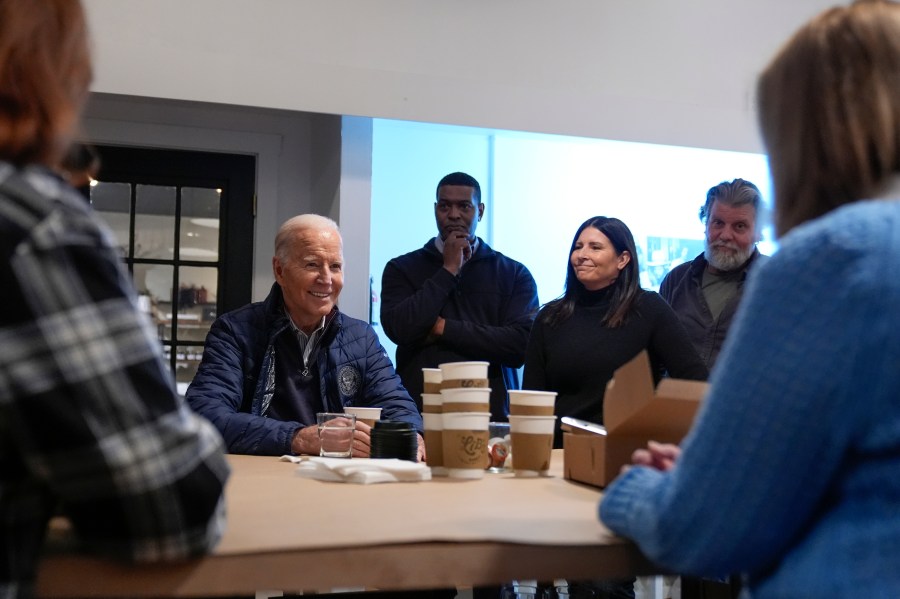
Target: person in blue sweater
{"x": 790, "y": 473}
{"x": 270, "y": 366}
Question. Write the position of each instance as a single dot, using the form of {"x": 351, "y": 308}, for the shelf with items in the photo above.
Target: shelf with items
{"x": 192, "y": 322}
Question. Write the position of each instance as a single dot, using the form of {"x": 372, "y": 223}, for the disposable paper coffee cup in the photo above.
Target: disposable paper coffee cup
{"x": 432, "y": 403}
{"x": 464, "y": 370}
{"x": 465, "y": 440}
{"x": 532, "y": 444}
{"x": 434, "y": 443}
{"x": 432, "y": 380}
{"x": 464, "y": 374}
{"x": 531, "y": 403}
{"x": 367, "y": 415}
{"x": 466, "y": 399}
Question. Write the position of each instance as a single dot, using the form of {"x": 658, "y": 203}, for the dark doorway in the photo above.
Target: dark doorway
{"x": 183, "y": 221}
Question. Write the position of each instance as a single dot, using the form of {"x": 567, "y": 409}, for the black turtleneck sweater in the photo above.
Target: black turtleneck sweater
{"x": 577, "y": 357}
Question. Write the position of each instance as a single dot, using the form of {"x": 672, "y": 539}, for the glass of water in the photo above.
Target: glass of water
{"x": 335, "y": 434}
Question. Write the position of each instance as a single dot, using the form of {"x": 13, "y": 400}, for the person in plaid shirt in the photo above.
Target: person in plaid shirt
{"x": 90, "y": 424}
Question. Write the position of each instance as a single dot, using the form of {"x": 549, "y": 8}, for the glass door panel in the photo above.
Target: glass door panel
{"x": 154, "y": 222}
{"x": 154, "y": 282}
{"x": 199, "y": 224}
{"x": 112, "y": 202}
{"x": 169, "y": 211}
{"x": 187, "y": 359}
{"x": 196, "y": 301}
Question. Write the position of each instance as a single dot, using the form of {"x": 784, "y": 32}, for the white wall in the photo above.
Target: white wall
{"x": 282, "y": 142}
{"x": 355, "y": 213}
{"x": 639, "y": 70}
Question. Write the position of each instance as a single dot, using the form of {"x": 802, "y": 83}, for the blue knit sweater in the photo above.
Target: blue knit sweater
{"x": 791, "y": 473}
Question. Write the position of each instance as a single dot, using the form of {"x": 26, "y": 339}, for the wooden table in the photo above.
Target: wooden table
{"x": 294, "y": 534}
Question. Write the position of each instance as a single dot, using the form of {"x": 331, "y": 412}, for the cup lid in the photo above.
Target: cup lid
{"x": 391, "y": 425}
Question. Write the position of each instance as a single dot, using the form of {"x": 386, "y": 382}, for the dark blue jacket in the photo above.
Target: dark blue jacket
{"x": 489, "y": 308}
{"x": 237, "y": 373}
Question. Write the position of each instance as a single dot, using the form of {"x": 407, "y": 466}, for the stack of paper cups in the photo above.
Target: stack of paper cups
{"x": 434, "y": 426}
{"x": 431, "y": 417}
{"x": 466, "y": 418}
{"x": 432, "y": 380}
{"x": 532, "y": 403}
{"x": 465, "y": 439}
{"x": 466, "y": 399}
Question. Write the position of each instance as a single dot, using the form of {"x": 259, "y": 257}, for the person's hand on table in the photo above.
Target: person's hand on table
{"x": 420, "y": 452}
{"x": 306, "y": 441}
{"x": 362, "y": 441}
{"x": 660, "y": 456}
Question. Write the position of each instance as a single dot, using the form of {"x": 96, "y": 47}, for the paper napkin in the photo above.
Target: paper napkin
{"x": 359, "y": 470}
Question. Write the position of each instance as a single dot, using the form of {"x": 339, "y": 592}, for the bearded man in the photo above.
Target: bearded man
{"x": 705, "y": 292}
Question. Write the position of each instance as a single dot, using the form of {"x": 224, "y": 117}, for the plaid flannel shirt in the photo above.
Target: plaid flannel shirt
{"x": 90, "y": 423}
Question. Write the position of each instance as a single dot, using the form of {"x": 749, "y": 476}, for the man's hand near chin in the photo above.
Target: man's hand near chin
{"x": 457, "y": 251}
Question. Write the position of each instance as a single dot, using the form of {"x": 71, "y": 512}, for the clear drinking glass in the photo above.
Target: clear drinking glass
{"x": 335, "y": 434}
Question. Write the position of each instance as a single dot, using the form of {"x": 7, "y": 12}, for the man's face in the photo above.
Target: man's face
{"x": 456, "y": 211}
{"x": 311, "y": 276}
{"x": 730, "y": 235}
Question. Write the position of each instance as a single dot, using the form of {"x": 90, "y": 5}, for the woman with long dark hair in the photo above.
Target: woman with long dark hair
{"x": 603, "y": 320}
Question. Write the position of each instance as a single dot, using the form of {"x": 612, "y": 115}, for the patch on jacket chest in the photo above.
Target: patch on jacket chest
{"x": 349, "y": 380}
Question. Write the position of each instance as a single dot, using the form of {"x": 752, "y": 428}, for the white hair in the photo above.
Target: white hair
{"x": 289, "y": 229}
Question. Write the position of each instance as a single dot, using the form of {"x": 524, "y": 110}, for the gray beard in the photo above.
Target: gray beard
{"x": 724, "y": 260}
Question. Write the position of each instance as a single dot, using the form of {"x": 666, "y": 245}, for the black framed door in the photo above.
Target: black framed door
{"x": 184, "y": 224}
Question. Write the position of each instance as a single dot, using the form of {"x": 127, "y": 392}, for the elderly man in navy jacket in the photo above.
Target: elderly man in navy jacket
{"x": 270, "y": 366}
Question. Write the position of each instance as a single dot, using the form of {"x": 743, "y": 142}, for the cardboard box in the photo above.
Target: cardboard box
{"x": 633, "y": 413}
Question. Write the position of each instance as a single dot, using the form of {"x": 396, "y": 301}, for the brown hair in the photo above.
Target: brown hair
{"x": 45, "y": 71}
{"x": 829, "y": 109}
